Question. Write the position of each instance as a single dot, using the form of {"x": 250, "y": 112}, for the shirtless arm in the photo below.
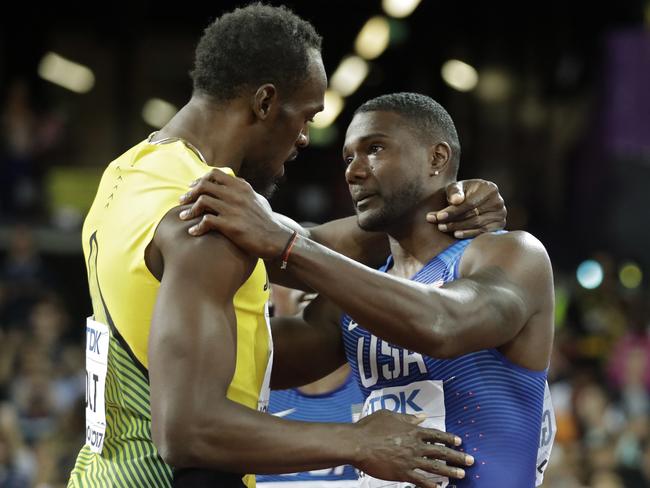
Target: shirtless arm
{"x": 509, "y": 283}
{"x": 506, "y": 281}
{"x": 370, "y": 248}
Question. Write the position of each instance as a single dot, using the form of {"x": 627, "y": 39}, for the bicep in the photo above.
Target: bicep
{"x": 505, "y": 281}
{"x": 192, "y": 340}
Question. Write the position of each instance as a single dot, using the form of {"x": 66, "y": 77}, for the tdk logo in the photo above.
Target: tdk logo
{"x": 92, "y": 340}
{"x": 401, "y": 402}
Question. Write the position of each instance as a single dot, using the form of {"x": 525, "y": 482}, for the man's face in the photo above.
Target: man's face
{"x": 387, "y": 169}
{"x": 287, "y": 131}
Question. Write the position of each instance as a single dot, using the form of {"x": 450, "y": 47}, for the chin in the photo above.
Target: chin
{"x": 269, "y": 190}
{"x": 371, "y": 222}
{"x": 264, "y": 184}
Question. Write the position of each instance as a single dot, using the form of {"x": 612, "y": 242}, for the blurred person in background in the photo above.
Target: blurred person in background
{"x": 10, "y": 476}
{"x": 18, "y": 149}
{"x": 606, "y": 479}
{"x": 17, "y": 462}
{"x": 27, "y": 135}
{"x": 628, "y": 367}
{"x": 25, "y": 276}
{"x": 334, "y": 398}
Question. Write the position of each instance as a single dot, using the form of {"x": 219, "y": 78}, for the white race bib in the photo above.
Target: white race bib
{"x": 418, "y": 398}
{"x": 546, "y": 437}
{"x": 97, "y": 343}
{"x": 265, "y": 391}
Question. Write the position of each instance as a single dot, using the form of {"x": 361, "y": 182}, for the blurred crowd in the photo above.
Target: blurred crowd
{"x": 600, "y": 385}
{"x": 600, "y": 379}
{"x": 42, "y": 376}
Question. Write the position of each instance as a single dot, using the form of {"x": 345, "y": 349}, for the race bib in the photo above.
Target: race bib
{"x": 420, "y": 398}
{"x": 97, "y": 343}
{"x": 265, "y": 391}
{"x": 546, "y": 437}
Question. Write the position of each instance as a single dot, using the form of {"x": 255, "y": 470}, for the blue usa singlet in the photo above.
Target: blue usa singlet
{"x": 495, "y": 406}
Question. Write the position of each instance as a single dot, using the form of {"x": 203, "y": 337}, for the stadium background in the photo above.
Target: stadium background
{"x": 551, "y": 102}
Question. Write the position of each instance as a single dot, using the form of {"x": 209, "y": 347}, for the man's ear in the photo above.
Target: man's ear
{"x": 264, "y": 100}
{"x": 440, "y": 156}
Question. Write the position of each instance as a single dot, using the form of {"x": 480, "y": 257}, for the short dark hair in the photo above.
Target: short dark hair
{"x": 251, "y": 46}
{"x": 426, "y": 116}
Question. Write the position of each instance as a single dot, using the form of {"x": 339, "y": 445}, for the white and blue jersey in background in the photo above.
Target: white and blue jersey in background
{"x": 495, "y": 406}
{"x": 336, "y": 406}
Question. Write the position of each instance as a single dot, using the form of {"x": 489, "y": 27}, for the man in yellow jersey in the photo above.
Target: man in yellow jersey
{"x": 179, "y": 350}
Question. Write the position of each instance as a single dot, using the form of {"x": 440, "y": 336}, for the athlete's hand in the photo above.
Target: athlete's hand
{"x": 394, "y": 446}
{"x": 475, "y": 207}
{"x": 230, "y": 206}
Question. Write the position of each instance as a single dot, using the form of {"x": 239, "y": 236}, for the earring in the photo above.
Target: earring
{"x": 436, "y": 172}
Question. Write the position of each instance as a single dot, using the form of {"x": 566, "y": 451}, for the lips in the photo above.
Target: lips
{"x": 362, "y": 198}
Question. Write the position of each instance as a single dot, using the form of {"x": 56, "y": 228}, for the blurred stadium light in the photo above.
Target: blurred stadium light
{"x": 157, "y": 112}
{"x": 630, "y": 275}
{"x": 373, "y": 38}
{"x": 459, "y": 75}
{"x": 399, "y": 8}
{"x": 334, "y": 103}
{"x": 66, "y": 73}
{"x": 349, "y": 75}
{"x": 590, "y": 274}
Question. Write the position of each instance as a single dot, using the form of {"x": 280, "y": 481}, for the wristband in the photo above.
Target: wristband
{"x": 287, "y": 250}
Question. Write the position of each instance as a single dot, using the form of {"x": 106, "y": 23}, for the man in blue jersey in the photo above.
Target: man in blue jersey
{"x": 458, "y": 331}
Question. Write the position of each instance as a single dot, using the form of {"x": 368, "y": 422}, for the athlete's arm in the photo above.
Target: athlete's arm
{"x": 487, "y": 309}
{"x": 371, "y": 248}
{"x": 307, "y": 347}
{"x": 192, "y": 357}
{"x": 505, "y": 281}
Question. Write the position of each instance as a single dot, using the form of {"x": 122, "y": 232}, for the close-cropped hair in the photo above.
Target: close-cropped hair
{"x": 426, "y": 116}
{"x": 251, "y": 46}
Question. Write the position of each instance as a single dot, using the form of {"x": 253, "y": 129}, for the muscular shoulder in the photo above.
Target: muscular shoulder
{"x": 518, "y": 249}
{"x": 210, "y": 255}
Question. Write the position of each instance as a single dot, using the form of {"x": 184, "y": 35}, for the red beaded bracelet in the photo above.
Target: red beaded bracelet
{"x": 287, "y": 250}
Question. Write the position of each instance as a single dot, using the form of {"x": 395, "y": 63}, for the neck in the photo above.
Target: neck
{"x": 327, "y": 384}
{"x": 216, "y": 130}
{"x": 414, "y": 241}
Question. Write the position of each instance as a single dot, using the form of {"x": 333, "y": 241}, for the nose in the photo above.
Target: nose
{"x": 357, "y": 170}
{"x": 303, "y": 137}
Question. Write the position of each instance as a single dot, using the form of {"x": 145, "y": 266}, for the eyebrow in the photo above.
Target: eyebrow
{"x": 362, "y": 139}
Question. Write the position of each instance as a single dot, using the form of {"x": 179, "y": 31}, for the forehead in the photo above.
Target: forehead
{"x": 312, "y": 90}
{"x": 387, "y": 124}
